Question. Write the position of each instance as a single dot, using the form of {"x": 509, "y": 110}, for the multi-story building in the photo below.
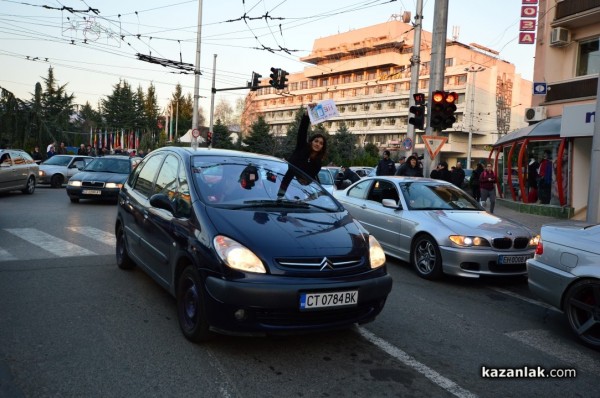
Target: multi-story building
{"x": 367, "y": 73}
{"x": 567, "y": 63}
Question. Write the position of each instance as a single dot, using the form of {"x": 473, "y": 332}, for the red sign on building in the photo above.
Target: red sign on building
{"x": 527, "y": 24}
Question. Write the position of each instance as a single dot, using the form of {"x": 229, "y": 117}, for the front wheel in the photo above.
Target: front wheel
{"x": 30, "y": 187}
{"x": 582, "y": 308}
{"x": 426, "y": 258}
{"x": 57, "y": 181}
{"x": 191, "y": 307}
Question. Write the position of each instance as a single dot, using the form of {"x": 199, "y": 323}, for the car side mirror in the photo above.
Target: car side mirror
{"x": 162, "y": 201}
{"x": 391, "y": 203}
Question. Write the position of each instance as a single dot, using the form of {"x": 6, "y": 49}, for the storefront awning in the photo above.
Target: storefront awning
{"x": 546, "y": 128}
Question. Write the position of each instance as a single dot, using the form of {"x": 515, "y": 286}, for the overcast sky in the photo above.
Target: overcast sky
{"x": 91, "y": 44}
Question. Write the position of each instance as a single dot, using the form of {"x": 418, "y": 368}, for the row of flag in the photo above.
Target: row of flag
{"x": 112, "y": 140}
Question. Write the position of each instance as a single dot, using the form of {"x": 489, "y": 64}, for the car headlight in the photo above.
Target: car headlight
{"x": 41, "y": 173}
{"x": 469, "y": 241}
{"x": 237, "y": 256}
{"x": 376, "y": 254}
{"x": 534, "y": 241}
{"x": 74, "y": 183}
{"x": 113, "y": 185}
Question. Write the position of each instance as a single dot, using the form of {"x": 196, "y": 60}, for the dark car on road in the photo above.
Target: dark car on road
{"x": 101, "y": 179}
{"x": 247, "y": 244}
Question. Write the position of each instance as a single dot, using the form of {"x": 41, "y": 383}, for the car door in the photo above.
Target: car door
{"x": 157, "y": 236}
{"x": 6, "y": 171}
{"x": 72, "y": 169}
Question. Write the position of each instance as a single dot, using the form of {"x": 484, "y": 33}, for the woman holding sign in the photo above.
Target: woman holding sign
{"x": 308, "y": 154}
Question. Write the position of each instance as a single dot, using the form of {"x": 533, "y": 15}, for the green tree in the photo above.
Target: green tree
{"x": 119, "y": 108}
{"x": 57, "y": 107}
{"x": 342, "y": 146}
{"x": 260, "y": 140}
{"x": 220, "y": 138}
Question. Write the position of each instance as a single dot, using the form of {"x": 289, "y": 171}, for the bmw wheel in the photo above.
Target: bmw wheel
{"x": 190, "y": 306}
{"x": 426, "y": 257}
{"x": 123, "y": 259}
{"x": 582, "y": 307}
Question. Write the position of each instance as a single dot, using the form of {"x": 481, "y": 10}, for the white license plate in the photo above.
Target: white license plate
{"x": 514, "y": 259}
{"x": 91, "y": 192}
{"x": 309, "y": 301}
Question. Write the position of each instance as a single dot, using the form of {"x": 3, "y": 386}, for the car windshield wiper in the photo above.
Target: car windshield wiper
{"x": 272, "y": 203}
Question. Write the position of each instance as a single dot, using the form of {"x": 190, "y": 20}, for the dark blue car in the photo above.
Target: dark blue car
{"x": 247, "y": 244}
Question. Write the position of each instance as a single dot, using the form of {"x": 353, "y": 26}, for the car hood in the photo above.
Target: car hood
{"x": 289, "y": 234}
{"x": 466, "y": 222}
{"x": 100, "y": 176}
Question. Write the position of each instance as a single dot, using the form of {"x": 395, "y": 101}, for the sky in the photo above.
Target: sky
{"x": 93, "y": 44}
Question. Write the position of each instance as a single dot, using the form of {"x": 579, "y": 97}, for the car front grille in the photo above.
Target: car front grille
{"x": 508, "y": 243}
{"x": 321, "y": 265}
{"x": 92, "y": 184}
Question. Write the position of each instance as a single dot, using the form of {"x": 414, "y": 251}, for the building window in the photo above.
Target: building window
{"x": 371, "y": 75}
{"x": 342, "y": 109}
{"x": 313, "y": 83}
{"x": 449, "y": 62}
{"x": 589, "y": 57}
{"x": 347, "y": 79}
{"x": 352, "y": 123}
{"x": 377, "y": 122}
{"x": 335, "y": 80}
{"x": 293, "y": 86}
{"x": 378, "y": 105}
{"x": 423, "y": 83}
{"x": 364, "y": 123}
{"x": 366, "y": 107}
{"x": 323, "y": 82}
{"x": 352, "y": 108}
{"x": 392, "y": 104}
{"x": 303, "y": 85}
{"x": 461, "y": 79}
{"x": 390, "y": 121}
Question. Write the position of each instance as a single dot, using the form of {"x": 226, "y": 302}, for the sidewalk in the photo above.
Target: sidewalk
{"x": 532, "y": 221}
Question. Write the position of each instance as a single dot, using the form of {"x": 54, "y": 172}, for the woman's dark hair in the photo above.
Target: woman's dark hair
{"x": 323, "y": 151}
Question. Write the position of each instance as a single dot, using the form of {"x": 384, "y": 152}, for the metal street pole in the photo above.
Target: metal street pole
{"x": 415, "y": 63}
{"x": 212, "y": 98}
{"x": 438, "y": 67}
{"x": 176, "y": 135}
{"x": 197, "y": 72}
{"x": 473, "y": 87}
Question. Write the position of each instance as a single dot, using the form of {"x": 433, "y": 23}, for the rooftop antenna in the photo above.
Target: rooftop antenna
{"x": 455, "y": 33}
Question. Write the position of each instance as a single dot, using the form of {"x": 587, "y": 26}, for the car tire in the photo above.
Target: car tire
{"x": 30, "y": 187}
{"x": 57, "y": 181}
{"x": 580, "y": 306}
{"x": 191, "y": 306}
{"x": 123, "y": 259}
{"x": 426, "y": 257}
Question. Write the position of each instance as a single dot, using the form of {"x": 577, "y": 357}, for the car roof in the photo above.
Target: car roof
{"x": 189, "y": 152}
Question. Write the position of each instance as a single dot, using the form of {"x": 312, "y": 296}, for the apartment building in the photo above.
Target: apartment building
{"x": 562, "y": 117}
{"x": 367, "y": 73}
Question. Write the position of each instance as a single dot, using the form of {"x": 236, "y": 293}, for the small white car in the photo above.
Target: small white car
{"x": 57, "y": 170}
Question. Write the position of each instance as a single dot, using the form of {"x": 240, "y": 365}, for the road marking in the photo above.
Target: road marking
{"x": 544, "y": 341}
{"x": 425, "y": 370}
{"x": 6, "y": 256}
{"x": 95, "y": 233}
{"x": 526, "y": 299}
{"x": 56, "y": 246}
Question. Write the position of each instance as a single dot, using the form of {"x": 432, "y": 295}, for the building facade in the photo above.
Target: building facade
{"x": 367, "y": 73}
{"x": 567, "y": 63}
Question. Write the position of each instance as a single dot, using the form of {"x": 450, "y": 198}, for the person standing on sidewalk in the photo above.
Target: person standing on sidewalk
{"x": 386, "y": 166}
{"x": 487, "y": 185}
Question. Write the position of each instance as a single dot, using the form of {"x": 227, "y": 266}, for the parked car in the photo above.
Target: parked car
{"x": 211, "y": 227}
{"x": 58, "y": 169}
{"x": 326, "y": 179}
{"x": 362, "y": 171}
{"x": 101, "y": 179}
{"x": 437, "y": 227}
{"x": 565, "y": 273}
{"x": 18, "y": 171}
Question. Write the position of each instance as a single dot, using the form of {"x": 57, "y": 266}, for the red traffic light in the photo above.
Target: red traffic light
{"x": 451, "y": 98}
{"x": 438, "y": 97}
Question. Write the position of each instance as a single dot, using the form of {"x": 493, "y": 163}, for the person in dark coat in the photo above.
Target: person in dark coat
{"x": 458, "y": 175}
{"x": 37, "y": 155}
{"x": 386, "y": 166}
{"x": 532, "y": 176}
{"x": 442, "y": 172}
{"x": 545, "y": 178}
{"x": 410, "y": 168}
{"x": 346, "y": 177}
{"x": 474, "y": 182}
{"x": 307, "y": 156}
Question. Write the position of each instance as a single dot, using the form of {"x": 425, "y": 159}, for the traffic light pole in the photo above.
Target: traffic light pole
{"x": 415, "y": 63}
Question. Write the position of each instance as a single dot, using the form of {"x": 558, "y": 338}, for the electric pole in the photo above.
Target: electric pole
{"x": 415, "y": 63}
{"x": 197, "y": 75}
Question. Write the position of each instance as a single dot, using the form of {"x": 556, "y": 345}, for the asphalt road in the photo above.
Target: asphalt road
{"x": 73, "y": 325}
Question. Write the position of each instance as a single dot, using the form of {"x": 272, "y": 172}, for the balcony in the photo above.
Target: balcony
{"x": 576, "y": 13}
{"x": 580, "y": 89}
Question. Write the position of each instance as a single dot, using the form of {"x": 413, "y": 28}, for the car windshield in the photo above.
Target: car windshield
{"x": 239, "y": 183}
{"x": 325, "y": 177}
{"x": 58, "y": 160}
{"x": 431, "y": 196}
{"x": 109, "y": 165}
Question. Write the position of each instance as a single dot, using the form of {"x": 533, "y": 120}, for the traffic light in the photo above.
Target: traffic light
{"x": 282, "y": 81}
{"x": 436, "y": 119}
{"x": 274, "y": 77}
{"x": 449, "y": 109}
{"x": 418, "y": 110}
{"x": 255, "y": 81}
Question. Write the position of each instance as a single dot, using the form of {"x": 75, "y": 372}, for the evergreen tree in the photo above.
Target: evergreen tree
{"x": 220, "y": 138}
{"x": 57, "y": 107}
{"x": 260, "y": 140}
{"x": 342, "y": 146}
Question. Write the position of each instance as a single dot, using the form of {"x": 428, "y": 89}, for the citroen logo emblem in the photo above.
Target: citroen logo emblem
{"x": 326, "y": 263}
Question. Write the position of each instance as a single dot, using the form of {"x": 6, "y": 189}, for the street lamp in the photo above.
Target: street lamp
{"x": 473, "y": 70}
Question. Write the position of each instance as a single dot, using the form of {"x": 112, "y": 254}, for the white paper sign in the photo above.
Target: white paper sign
{"x": 322, "y": 111}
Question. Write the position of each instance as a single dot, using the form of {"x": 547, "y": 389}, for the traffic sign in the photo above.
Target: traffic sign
{"x": 407, "y": 144}
{"x": 434, "y": 144}
{"x": 195, "y": 133}
{"x": 540, "y": 88}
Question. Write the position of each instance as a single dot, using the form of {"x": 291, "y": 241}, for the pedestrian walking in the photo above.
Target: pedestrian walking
{"x": 487, "y": 184}
{"x": 474, "y": 182}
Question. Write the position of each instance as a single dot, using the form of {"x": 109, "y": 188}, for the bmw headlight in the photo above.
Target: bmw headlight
{"x": 534, "y": 241}
{"x": 237, "y": 256}
{"x": 469, "y": 241}
{"x": 74, "y": 183}
{"x": 112, "y": 185}
{"x": 376, "y": 254}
